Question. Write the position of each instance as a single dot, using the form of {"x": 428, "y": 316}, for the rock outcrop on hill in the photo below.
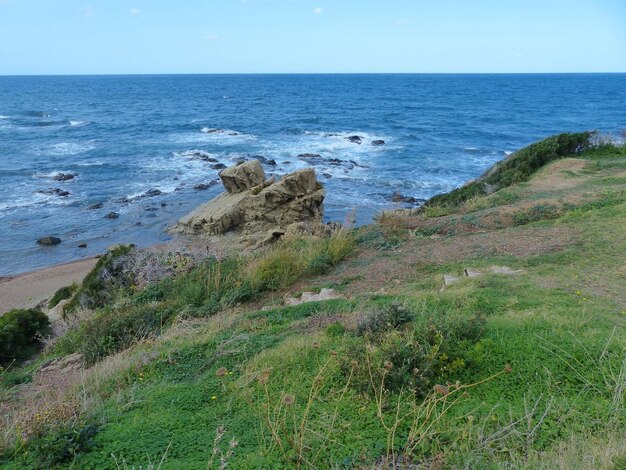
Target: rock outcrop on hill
{"x": 254, "y": 211}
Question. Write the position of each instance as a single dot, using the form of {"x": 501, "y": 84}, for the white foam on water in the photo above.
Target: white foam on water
{"x": 52, "y": 174}
{"x": 35, "y": 199}
{"x": 65, "y": 148}
{"x": 96, "y": 163}
{"x": 3, "y": 116}
{"x": 328, "y": 145}
{"x": 200, "y": 138}
{"x": 195, "y": 154}
{"x": 76, "y": 123}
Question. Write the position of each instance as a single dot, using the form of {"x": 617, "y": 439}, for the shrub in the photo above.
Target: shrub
{"x": 288, "y": 260}
{"x": 20, "y": 331}
{"x": 415, "y": 357}
{"x": 277, "y": 268}
{"x": 535, "y": 214}
{"x": 62, "y": 445}
{"x": 62, "y": 294}
{"x": 104, "y": 281}
{"x": 112, "y": 330}
{"x": 387, "y": 317}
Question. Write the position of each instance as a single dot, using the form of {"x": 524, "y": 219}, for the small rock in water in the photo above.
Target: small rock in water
{"x": 212, "y": 131}
{"x": 82, "y": 245}
{"x": 218, "y": 166}
{"x": 355, "y": 139}
{"x": 152, "y": 193}
{"x": 378, "y": 142}
{"x": 204, "y": 186}
{"x": 163, "y": 204}
{"x": 265, "y": 161}
{"x": 64, "y": 176}
{"x": 397, "y": 197}
{"x": 112, "y": 215}
{"x": 55, "y": 191}
{"x": 327, "y": 175}
{"x": 308, "y": 155}
{"x": 49, "y": 241}
{"x": 98, "y": 205}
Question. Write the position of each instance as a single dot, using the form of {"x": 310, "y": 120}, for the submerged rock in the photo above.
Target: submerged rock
{"x": 254, "y": 211}
{"x": 64, "y": 176}
{"x": 112, "y": 215}
{"x": 55, "y": 192}
{"x": 309, "y": 155}
{"x": 98, "y": 205}
{"x": 203, "y": 186}
{"x": 397, "y": 197}
{"x": 49, "y": 241}
{"x": 152, "y": 193}
{"x": 355, "y": 139}
{"x": 263, "y": 160}
{"x": 378, "y": 142}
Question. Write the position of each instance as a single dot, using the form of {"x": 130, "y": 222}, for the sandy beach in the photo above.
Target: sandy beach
{"x": 29, "y": 289}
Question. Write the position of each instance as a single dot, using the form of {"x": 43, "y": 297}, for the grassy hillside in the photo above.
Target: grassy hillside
{"x": 521, "y": 366}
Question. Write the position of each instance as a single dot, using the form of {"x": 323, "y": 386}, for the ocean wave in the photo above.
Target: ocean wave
{"x": 96, "y": 163}
{"x": 51, "y": 174}
{"x": 76, "y": 123}
{"x": 329, "y": 145}
{"x": 35, "y": 200}
{"x": 218, "y": 134}
{"x": 65, "y": 148}
{"x": 3, "y": 116}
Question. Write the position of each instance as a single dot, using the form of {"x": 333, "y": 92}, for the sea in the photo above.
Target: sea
{"x": 150, "y": 147}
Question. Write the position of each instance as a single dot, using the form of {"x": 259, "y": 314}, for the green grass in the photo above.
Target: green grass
{"x": 516, "y": 168}
{"x": 538, "y": 356}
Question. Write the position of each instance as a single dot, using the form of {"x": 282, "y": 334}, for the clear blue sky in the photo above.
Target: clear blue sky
{"x": 284, "y": 36}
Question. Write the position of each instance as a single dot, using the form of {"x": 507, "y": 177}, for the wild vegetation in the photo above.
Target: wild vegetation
{"x": 194, "y": 361}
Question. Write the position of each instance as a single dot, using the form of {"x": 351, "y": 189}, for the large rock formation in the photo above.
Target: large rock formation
{"x": 254, "y": 211}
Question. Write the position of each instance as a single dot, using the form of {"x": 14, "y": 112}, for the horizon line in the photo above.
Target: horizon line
{"x": 298, "y": 73}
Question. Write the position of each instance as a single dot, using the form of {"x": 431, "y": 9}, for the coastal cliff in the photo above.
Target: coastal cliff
{"x": 483, "y": 330}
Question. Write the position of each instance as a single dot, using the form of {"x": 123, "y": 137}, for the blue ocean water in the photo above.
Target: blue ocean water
{"x": 125, "y": 135}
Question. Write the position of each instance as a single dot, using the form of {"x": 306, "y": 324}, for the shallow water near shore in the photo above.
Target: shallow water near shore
{"x": 140, "y": 145}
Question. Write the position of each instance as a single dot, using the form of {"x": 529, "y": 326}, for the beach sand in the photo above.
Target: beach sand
{"x": 29, "y": 289}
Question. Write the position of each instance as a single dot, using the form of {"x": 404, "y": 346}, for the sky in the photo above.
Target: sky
{"x": 311, "y": 36}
